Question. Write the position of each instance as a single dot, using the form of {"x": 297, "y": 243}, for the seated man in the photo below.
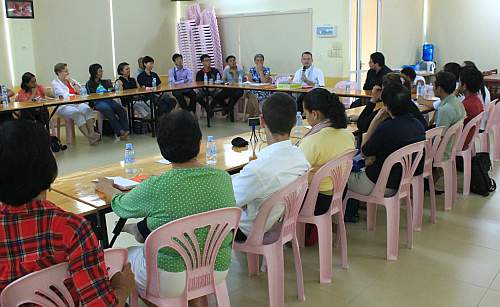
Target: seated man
{"x": 276, "y": 165}
{"x": 210, "y": 73}
{"x": 377, "y": 71}
{"x": 181, "y": 75}
{"x": 400, "y": 130}
{"x": 230, "y": 75}
{"x": 36, "y": 234}
{"x": 164, "y": 102}
{"x": 412, "y": 75}
{"x": 471, "y": 83}
{"x": 308, "y": 75}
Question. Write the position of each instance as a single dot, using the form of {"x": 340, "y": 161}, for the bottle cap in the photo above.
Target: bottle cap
{"x": 299, "y": 113}
{"x": 210, "y": 138}
{"x": 129, "y": 146}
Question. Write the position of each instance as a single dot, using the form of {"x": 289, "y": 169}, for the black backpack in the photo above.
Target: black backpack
{"x": 480, "y": 181}
{"x": 55, "y": 144}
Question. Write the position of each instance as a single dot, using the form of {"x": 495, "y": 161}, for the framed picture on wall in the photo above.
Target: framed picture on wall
{"x": 19, "y": 9}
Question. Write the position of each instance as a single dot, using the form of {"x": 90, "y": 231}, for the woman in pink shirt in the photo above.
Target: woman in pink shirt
{"x": 32, "y": 92}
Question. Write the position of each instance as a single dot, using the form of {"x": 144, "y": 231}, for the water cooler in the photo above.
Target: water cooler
{"x": 427, "y": 63}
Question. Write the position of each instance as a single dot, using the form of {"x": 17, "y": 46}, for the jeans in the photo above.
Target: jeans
{"x": 180, "y": 94}
{"x": 115, "y": 113}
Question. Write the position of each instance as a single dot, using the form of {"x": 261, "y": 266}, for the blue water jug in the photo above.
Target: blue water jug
{"x": 428, "y": 52}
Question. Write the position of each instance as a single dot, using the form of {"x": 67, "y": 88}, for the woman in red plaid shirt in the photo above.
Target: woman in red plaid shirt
{"x": 35, "y": 234}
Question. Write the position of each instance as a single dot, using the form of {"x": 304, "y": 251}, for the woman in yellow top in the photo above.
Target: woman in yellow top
{"x": 327, "y": 139}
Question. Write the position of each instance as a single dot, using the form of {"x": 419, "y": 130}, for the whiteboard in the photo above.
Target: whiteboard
{"x": 280, "y": 36}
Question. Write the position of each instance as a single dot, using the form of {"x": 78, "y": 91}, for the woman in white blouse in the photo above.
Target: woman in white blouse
{"x": 83, "y": 116}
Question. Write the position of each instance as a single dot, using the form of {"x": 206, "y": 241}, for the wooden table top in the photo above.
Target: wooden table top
{"x": 492, "y": 79}
{"x": 70, "y": 204}
{"x": 14, "y": 106}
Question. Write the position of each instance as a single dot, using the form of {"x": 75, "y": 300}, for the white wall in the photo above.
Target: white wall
{"x": 401, "y": 34}
{"x": 465, "y": 30}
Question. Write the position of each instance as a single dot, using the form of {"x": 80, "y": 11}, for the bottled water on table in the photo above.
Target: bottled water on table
{"x": 211, "y": 152}
{"x": 5, "y": 96}
{"x": 205, "y": 78}
{"x": 153, "y": 83}
{"x": 217, "y": 78}
{"x": 129, "y": 159}
{"x": 298, "y": 125}
{"x": 118, "y": 87}
{"x": 240, "y": 79}
{"x": 83, "y": 91}
{"x": 420, "y": 90}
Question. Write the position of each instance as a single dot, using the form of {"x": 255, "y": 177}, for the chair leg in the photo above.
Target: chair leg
{"x": 409, "y": 223}
{"x": 448, "y": 186}
{"x": 432, "y": 193}
{"x": 276, "y": 276}
{"x": 301, "y": 234}
{"x": 418, "y": 202}
{"x": 393, "y": 216}
{"x": 253, "y": 264}
{"x": 467, "y": 170}
{"x": 221, "y": 295}
{"x": 298, "y": 270}
{"x": 325, "y": 250}
{"x": 454, "y": 181}
{"x": 343, "y": 240}
{"x": 371, "y": 219}
{"x": 496, "y": 142}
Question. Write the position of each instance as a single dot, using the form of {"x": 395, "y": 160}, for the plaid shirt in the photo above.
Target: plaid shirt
{"x": 37, "y": 235}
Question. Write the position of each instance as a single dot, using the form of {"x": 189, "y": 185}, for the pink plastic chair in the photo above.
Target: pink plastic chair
{"x": 41, "y": 287}
{"x": 180, "y": 236}
{"x": 449, "y": 166}
{"x": 484, "y": 137}
{"x": 408, "y": 158}
{"x": 338, "y": 170}
{"x": 432, "y": 140}
{"x": 341, "y": 85}
{"x": 55, "y": 129}
{"x": 467, "y": 150}
{"x": 270, "y": 243}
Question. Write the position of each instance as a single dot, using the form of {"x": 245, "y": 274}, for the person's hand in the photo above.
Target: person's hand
{"x": 376, "y": 93}
{"x": 104, "y": 185}
{"x": 123, "y": 282}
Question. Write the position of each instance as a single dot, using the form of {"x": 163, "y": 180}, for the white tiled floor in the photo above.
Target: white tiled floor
{"x": 455, "y": 262}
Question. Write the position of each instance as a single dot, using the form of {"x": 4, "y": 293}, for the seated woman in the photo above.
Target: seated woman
{"x": 35, "y": 233}
{"x": 327, "y": 139}
{"x": 188, "y": 188}
{"x": 31, "y": 91}
{"x": 63, "y": 87}
{"x": 258, "y": 74}
{"x": 111, "y": 110}
{"x": 140, "y": 107}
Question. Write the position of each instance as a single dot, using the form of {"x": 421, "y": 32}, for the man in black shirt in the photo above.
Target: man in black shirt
{"x": 377, "y": 71}
{"x": 211, "y": 74}
{"x": 164, "y": 102}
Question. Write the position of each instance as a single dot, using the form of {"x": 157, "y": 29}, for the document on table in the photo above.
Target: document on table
{"x": 255, "y": 83}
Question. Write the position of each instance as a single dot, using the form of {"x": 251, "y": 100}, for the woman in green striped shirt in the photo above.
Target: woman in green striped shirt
{"x": 189, "y": 188}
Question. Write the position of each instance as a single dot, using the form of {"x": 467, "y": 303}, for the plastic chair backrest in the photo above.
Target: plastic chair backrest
{"x": 491, "y": 115}
{"x": 40, "y": 288}
{"x": 291, "y": 198}
{"x": 180, "y": 236}
{"x": 453, "y": 132}
{"x": 341, "y": 85}
{"x": 432, "y": 141}
{"x": 497, "y": 115}
{"x": 115, "y": 259}
{"x": 409, "y": 158}
{"x": 475, "y": 124}
{"x": 338, "y": 170}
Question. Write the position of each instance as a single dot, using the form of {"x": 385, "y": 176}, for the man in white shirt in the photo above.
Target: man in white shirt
{"x": 308, "y": 75}
{"x": 276, "y": 165}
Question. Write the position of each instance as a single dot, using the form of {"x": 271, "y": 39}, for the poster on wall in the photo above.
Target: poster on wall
{"x": 19, "y": 8}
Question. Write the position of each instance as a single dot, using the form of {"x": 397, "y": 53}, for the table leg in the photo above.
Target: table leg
{"x": 208, "y": 108}
{"x": 98, "y": 221}
{"x": 152, "y": 102}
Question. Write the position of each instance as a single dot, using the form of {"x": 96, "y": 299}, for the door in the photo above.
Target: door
{"x": 364, "y": 37}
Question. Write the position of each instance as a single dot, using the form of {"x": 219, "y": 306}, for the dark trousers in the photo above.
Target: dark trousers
{"x": 233, "y": 95}
{"x": 115, "y": 114}
{"x": 40, "y": 115}
{"x": 180, "y": 94}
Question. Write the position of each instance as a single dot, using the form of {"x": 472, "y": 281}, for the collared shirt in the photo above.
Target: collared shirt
{"x": 179, "y": 76}
{"x": 450, "y": 111}
{"x": 129, "y": 83}
{"x": 146, "y": 80}
{"x": 375, "y": 78}
{"x": 229, "y": 77}
{"x": 264, "y": 176}
{"x": 38, "y": 235}
{"x": 313, "y": 73}
{"x": 212, "y": 74}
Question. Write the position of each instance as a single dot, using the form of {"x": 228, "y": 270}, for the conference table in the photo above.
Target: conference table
{"x": 493, "y": 84}
{"x": 55, "y": 103}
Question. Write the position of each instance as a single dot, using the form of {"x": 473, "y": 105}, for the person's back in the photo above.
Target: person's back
{"x": 471, "y": 83}
{"x": 276, "y": 165}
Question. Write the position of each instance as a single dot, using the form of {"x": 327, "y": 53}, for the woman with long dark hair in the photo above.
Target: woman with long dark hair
{"x": 32, "y": 91}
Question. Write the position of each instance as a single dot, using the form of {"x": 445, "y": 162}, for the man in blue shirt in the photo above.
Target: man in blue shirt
{"x": 181, "y": 75}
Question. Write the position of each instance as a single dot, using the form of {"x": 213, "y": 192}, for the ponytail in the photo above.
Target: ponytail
{"x": 328, "y": 104}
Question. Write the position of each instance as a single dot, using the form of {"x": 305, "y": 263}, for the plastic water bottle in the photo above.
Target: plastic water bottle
{"x": 117, "y": 87}
{"x": 348, "y": 87}
{"x": 420, "y": 90}
{"x": 129, "y": 159}
{"x": 217, "y": 78}
{"x": 240, "y": 79}
{"x": 211, "y": 152}
{"x": 5, "y": 97}
{"x": 153, "y": 83}
{"x": 83, "y": 91}
{"x": 205, "y": 78}
{"x": 298, "y": 125}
